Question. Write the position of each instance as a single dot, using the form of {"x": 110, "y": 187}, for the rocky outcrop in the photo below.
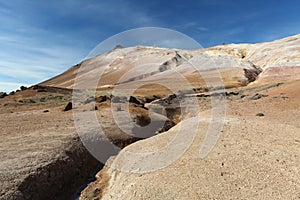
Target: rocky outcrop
{"x": 2, "y": 95}
{"x": 61, "y": 178}
{"x": 68, "y": 107}
{"x": 252, "y": 74}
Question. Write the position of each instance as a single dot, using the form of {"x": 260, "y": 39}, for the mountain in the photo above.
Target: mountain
{"x": 238, "y": 65}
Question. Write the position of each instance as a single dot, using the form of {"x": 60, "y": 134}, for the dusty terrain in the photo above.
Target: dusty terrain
{"x": 255, "y": 155}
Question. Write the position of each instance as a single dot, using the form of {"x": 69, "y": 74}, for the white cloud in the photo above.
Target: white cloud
{"x": 10, "y": 86}
{"x": 30, "y": 53}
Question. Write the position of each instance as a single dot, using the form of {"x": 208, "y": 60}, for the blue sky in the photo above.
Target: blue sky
{"x": 40, "y": 39}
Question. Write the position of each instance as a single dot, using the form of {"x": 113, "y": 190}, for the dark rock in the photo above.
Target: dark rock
{"x": 45, "y": 111}
{"x": 168, "y": 125}
{"x": 252, "y": 74}
{"x": 200, "y": 89}
{"x": 12, "y": 93}
{"x": 94, "y": 108}
{"x": 170, "y": 98}
{"x": 258, "y": 96}
{"x": 156, "y": 97}
{"x": 260, "y": 114}
{"x": 203, "y": 95}
{"x": 2, "y": 95}
{"x": 23, "y": 88}
{"x": 69, "y": 106}
{"x": 134, "y": 100}
{"x": 101, "y": 99}
{"x": 234, "y": 93}
{"x": 118, "y": 47}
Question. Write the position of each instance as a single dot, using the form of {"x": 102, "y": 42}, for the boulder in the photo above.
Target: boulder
{"x": 22, "y": 88}
{"x": 69, "y": 106}
{"x": 260, "y": 114}
{"x": 2, "y": 95}
{"x": 258, "y": 96}
{"x": 101, "y": 99}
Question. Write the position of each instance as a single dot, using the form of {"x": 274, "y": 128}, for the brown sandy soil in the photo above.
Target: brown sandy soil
{"x": 35, "y": 144}
{"x": 42, "y": 156}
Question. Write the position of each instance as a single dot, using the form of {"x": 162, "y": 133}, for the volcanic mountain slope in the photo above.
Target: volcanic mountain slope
{"x": 237, "y": 65}
{"x": 155, "y": 65}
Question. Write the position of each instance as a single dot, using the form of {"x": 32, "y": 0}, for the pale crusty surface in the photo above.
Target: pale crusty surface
{"x": 254, "y": 158}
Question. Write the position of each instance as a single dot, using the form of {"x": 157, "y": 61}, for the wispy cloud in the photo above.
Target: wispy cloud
{"x": 39, "y": 40}
{"x": 10, "y": 86}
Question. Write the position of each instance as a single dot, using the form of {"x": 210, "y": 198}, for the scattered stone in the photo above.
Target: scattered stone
{"x": 2, "y": 95}
{"x": 118, "y": 47}
{"x": 243, "y": 96}
{"x": 233, "y": 93}
{"x": 252, "y": 74}
{"x": 136, "y": 101}
{"x": 45, "y": 111}
{"x": 168, "y": 125}
{"x": 12, "y": 93}
{"x": 94, "y": 108}
{"x": 200, "y": 89}
{"x": 23, "y": 88}
{"x": 260, "y": 114}
{"x": 170, "y": 99}
{"x": 203, "y": 95}
{"x": 282, "y": 97}
{"x": 101, "y": 99}
{"x": 258, "y": 96}
{"x": 69, "y": 106}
